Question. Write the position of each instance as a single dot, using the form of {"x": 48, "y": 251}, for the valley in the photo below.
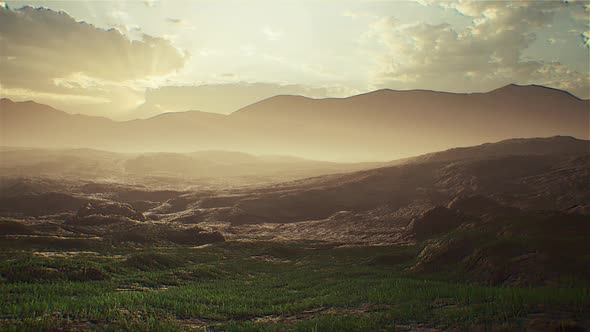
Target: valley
{"x": 497, "y": 222}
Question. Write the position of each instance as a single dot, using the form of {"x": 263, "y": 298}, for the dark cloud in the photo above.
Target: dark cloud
{"x": 40, "y": 45}
{"x": 483, "y": 56}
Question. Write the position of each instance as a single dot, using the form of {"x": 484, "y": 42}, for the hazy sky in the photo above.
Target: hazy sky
{"x": 232, "y": 53}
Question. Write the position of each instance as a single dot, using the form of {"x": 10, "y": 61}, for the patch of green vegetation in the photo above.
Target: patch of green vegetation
{"x": 38, "y": 270}
{"x": 151, "y": 260}
{"x": 258, "y": 286}
{"x": 51, "y": 243}
{"x": 399, "y": 256}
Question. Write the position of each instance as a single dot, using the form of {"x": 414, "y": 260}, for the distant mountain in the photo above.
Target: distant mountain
{"x": 381, "y": 125}
{"x": 28, "y": 124}
{"x": 402, "y": 123}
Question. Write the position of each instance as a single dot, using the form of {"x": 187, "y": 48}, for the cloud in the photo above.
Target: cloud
{"x": 52, "y": 98}
{"x": 174, "y": 20}
{"x": 580, "y": 10}
{"x": 272, "y": 34}
{"x": 49, "y": 44}
{"x": 486, "y": 54}
{"x": 228, "y": 75}
{"x": 50, "y": 53}
{"x": 580, "y": 13}
{"x": 150, "y": 3}
{"x": 119, "y": 15}
{"x": 586, "y": 38}
{"x": 357, "y": 14}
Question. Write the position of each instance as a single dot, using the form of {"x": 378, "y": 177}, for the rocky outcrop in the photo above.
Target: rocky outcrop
{"x": 109, "y": 209}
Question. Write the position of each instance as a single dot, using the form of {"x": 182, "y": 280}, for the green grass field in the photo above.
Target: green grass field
{"x": 261, "y": 286}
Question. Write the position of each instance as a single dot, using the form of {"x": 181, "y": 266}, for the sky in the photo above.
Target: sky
{"x": 130, "y": 59}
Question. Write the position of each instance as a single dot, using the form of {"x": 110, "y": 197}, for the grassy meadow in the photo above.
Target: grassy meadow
{"x": 261, "y": 286}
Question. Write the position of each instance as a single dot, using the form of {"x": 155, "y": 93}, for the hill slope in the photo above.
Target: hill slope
{"x": 549, "y": 173}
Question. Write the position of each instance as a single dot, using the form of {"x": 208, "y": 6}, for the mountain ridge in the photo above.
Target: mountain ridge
{"x": 301, "y": 97}
{"x": 376, "y": 126}
{"x": 387, "y": 90}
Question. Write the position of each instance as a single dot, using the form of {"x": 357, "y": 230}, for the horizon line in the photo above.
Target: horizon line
{"x": 309, "y": 98}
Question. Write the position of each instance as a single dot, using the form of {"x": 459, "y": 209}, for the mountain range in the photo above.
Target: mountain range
{"x": 374, "y": 126}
